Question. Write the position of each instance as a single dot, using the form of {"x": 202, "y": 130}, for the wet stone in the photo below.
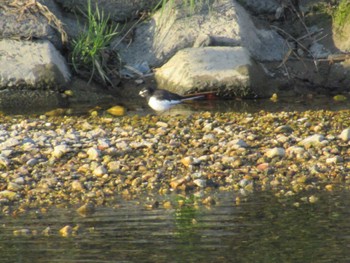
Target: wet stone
{"x": 345, "y": 135}
{"x": 60, "y": 150}
{"x": 76, "y": 159}
{"x": 14, "y": 187}
{"x": 275, "y": 152}
{"x": 93, "y": 153}
{"x": 313, "y": 141}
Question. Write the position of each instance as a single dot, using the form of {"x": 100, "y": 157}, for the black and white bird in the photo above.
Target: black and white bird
{"x": 161, "y": 100}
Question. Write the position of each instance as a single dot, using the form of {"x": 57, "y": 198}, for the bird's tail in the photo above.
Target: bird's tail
{"x": 206, "y": 95}
{"x": 193, "y": 98}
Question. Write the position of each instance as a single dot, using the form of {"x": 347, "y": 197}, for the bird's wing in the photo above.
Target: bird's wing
{"x": 167, "y": 95}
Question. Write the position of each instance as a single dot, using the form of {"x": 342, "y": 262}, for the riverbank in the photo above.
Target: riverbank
{"x": 67, "y": 161}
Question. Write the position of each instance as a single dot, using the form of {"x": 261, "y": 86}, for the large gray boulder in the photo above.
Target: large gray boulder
{"x": 34, "y": 65}
{"x": 19, "y": 21}
{"x": 226, "y": 70}
{"x": 219, "y": 23}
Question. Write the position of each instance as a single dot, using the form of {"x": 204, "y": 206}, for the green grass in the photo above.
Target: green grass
{"x": 89, "y": 49}
{"x": 341, "y": 16}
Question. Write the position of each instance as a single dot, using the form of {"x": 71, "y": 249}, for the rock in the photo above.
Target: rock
{"x": 136, "y": 182}
{"x": 60, "y": 150}
{"x": 208, "y": 127}
{"x": 319, "y": 51}
{"x": 313, "y": 199}
{"x": 258, "y": 6}
{"x": 275, "y": 152}
{"x": 295, "y": 150}
{"x": 203, "y": 40}
{"x": 284, "y": 129}
{"x": 100, "y": 171}
{"x": 45, "y": 69}
{"x": 113, "y": 166}
{"x": 86, "y": 209}
{"x": 333, "y": 160}
{"x": 225, "y": 22}
{"x": 200, "y": 183}
{"x": 14, "y": 187}
{"x": 176, "y": 183}
{"x": 31, "y": 24}
{"x": 11, "y": 142}
{"x": 162, "y": 124}
{"x": 237, "y": 143}
{"x": 77, "y": 186}
{"x": 263, "y": 166}
{"x": 187, "y": 161}
{"x": 202, "y": 69}
{"x": 47, "y": 231}
{"x": 22, "y": 232}
{"x": 66, "y": 231}
{"x": 313, "y": 141}
{"x": 117, "y": 110}
{"x": 209, "y": 137}
{"x": 32, "y": 162}
{"x": 209, "y": 201}
{"x": 19, "y": 180}
{"x": 93, "y": 153}
{"x": 345, "y": 135}
{"x": 338, "y": 74}
{"x": 4, "y": 162}
{"x": 10, "y": 195}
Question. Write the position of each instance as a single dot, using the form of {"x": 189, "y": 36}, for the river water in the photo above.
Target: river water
{"x": 261, "y": 228}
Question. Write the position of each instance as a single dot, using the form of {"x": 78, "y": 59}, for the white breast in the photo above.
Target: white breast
{"x": 161, "y": 105}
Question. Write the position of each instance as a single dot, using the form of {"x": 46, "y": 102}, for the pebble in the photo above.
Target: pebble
{"x": 77, "y": 186}
{"x": 313, "y": 141}
{"x": 160, "y": 154}
{"x": 100, "y": 171}
{"x": 14, "y": 187}
{"x": 19, "y": 180}
{"x": 4, "y": 162}
{"x": 93, "y": 153}
{"x": 60, "y": 150}
{"x": 237, "y": 143}
{"x": 200, "y": 183}
{"x": 10, "y": 195}
{"x": 333, "y": 160}
{"x": 22, "y": 232}
{"x": 86, "y": 209}
{"x": 66, "y": 231}
{"x": 345, "y": 135}
{"x": 32, "y": 162}
{"x": 275, "y": 152}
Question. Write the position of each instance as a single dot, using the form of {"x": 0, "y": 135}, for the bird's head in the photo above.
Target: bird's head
{"x": 146, "y": 92}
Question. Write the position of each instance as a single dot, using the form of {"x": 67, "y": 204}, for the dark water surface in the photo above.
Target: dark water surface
{"x": 262, "y": 228}
{"x": 319, "y": 102}
{"x": 138, "y": 106}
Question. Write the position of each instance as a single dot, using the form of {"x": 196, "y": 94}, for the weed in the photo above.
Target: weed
{"x": 90, "y": 48}
{"x": 342, "y": 14}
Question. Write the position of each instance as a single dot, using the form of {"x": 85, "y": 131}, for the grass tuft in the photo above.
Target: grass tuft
{"x": 89, "y": 53}
{"x": 341, "y": 15}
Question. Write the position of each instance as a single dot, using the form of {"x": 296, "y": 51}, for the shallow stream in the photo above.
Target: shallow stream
{"x": 261, "y": 228}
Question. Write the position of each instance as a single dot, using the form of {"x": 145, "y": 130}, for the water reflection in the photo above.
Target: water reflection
{"x": 262, "y": 229}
